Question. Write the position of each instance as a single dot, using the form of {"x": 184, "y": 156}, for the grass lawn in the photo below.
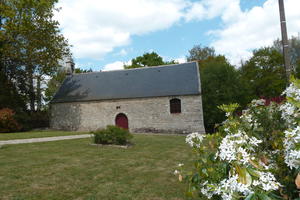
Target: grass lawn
{"x": 74, "y": 169}
{"x": 36, "y": 134}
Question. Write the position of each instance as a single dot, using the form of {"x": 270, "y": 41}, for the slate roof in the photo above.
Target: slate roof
{"x": 169, "y": 80}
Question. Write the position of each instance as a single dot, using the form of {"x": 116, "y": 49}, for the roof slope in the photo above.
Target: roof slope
{"x": 169, "y": 80}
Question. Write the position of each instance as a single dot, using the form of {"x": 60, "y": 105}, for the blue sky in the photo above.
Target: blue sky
{"x": 106, "y": 34}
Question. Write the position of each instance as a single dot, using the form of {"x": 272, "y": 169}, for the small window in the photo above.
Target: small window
{"x": 175, "y": 106}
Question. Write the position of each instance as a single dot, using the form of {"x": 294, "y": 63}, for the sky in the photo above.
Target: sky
{"x": 106, "y": 34}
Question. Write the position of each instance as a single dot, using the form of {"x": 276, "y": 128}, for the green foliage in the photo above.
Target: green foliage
{"x": 199, "y": 53}
{"x": 264, "y": 73}
{"x": 53, "y": 85}
{"x": 8, "y": 122}
{"x": 148, "y": 60}
{"x": 112, "y": 135}
{"x": 206, "y": 165}
{"x": 258, "y": 133}
{"x": 9, "y": 97}
{"x": 221, "y": 84}
{"x": 79, "y": 70}
{"x": 31, "y": 45}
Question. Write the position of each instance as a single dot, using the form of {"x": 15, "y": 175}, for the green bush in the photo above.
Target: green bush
{"x": 112, "y": 135}
{"x": 253, "y": 156}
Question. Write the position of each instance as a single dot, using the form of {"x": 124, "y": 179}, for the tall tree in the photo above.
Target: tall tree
{"x": 199, "y": 53}
{"x": 220, "y": 83}
{"x": 264, "y": 73}
{"x": 147, "y": 60}
{"x": 32, "y": 46}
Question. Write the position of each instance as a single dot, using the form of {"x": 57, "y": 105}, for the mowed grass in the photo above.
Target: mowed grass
{"x": 37, "y": 134}
{"x": 74, "y": 169}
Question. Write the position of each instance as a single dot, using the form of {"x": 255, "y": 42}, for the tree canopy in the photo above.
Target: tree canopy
{"x": 31, "y": 45}
{"x": 199, "y": 53}
{"x": 148, "y": 60}
{"x": 264, "y": 73}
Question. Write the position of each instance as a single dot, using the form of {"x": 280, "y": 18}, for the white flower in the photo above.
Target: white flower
{"x": 227, "y": 187}
{"x": 237, "y": 147}
{"x": 292, "y": 91}
{"x": 291, "y": 141}
{"x": 254, "y": 141}
{"x": 180, "y": 165}
{"x": 194, "y": 139}
{"x": 267, "y": 181}
{"x": 176, "y": 172}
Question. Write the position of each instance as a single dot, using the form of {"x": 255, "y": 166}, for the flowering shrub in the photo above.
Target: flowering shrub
{"x": 252, "y": 156}
{"x": 7, "y": 121}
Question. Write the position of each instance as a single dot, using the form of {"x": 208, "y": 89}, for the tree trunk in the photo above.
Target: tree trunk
{"x": 31, "y": 88}
{"x": 38, "y": 93}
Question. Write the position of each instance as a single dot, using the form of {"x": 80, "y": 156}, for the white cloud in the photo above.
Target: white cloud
{"x": 118, "y": 65}
{"x": 95, "y": 28}
{"x": 180, "y": 60}
{"x": 254, "y": 28}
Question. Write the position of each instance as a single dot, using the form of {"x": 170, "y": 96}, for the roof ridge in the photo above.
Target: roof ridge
{"x": 134, "y": 69}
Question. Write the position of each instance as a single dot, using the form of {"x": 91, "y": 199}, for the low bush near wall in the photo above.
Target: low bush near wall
{"x": 7, "y": 121}
{"x": 254, "y": 156}
{"x": 112, "y": 135}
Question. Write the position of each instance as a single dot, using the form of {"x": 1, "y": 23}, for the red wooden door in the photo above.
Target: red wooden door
{"x": 122, "y": 121}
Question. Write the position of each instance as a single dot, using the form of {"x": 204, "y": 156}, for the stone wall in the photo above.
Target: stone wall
{"x": 144, "y": 115}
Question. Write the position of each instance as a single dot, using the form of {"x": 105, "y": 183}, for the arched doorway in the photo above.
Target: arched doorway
{"x": 122, "y": 121}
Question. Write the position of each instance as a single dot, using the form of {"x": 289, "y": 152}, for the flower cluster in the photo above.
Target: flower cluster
{"x": 292, "y": 153}
{"x": 248, "y": 118}
{"x": 267, "y": 181}
{"x": 238, "y": 147}
{"x": 194, "y": 139}
{"x": 251, "y": 152}
{"x": 291, "y": 112}
{"x": 292, "y": 91}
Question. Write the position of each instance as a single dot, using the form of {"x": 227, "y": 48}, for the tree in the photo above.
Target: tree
{"x": 221, "y": 84}
{"x": 9, "y": 97}
{"x": 32, "y": 45}
{"x": 264, "y": 73}
{"x": 294, "y": 49}
{"x": 198, "y": 53}
{"x": 79, "y": 70}
{"x": 147, "y": 60}
{"x": 57, "y": 79}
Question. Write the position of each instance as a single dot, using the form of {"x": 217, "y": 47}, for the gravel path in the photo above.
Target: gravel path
{"x": 45, "y": 139}
{"x": 69, "y": 137}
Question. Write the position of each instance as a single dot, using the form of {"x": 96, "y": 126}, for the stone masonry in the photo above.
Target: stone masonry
{"x": 144, "y": 115}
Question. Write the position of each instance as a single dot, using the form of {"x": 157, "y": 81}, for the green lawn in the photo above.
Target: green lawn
{"x": 36, "y": 134}
{"x": 74, "y": 169}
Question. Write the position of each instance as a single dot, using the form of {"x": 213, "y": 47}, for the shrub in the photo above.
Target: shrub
{"x": 7, "y": 121}
{"x": 254, "y": 156}
{"x": 33, "y": 119}
{"x": 112, "y": 135}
